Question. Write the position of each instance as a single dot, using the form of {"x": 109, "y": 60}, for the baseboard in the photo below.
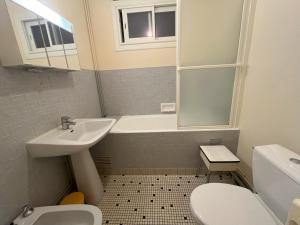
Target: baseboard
{"x": 68, "y": 189}
{"x": 241, "y": 180}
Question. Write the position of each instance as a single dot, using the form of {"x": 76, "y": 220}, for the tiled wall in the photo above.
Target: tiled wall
{"x": 30, "y": 104}
{"x": 154, "y": 152}
{"x": 137, "y": 91}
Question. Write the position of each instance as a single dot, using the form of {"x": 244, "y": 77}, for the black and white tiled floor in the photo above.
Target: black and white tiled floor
{"x": 150, "y": 199}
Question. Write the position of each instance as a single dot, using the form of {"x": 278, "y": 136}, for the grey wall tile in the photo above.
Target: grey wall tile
{"x": 30, "y": 104}
{"x": 138, "y": 91}
{"x": 159, "y": 150}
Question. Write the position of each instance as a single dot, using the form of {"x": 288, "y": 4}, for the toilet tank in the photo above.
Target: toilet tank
{"x": 276, "y": 178}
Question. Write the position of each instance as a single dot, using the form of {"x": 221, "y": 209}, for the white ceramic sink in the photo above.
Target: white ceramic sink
{"x": 58, "y": 142}
{"x": 76, "y": 143}
{"x": 62, "y": 215}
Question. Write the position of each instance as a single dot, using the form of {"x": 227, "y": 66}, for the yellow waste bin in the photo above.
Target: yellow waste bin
{"x": 73, "y": 198}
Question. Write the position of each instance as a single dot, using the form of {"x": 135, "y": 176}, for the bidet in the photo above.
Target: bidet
{"x": 62, "y": 214}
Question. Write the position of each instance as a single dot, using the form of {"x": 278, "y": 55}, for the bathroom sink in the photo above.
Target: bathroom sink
{"x": 58, "y": 142}
{"x": 62, "y": 215}
{"x": 76, "y": 142}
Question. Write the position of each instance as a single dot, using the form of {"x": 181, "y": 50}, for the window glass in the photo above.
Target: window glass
{"x": 165, "y": 24}
{"x": 142, "y": 25}
{"x": 139, "y": 24}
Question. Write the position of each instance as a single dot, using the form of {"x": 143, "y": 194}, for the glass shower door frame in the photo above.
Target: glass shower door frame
{"x": 240, "y": 66}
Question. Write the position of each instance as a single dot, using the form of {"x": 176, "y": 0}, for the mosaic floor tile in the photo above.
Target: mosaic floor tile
{"x": 151, "y": 199}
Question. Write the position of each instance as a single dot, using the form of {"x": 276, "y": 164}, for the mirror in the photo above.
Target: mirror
{"x": 62, "y": 43}
{"x": 29, "y": 35}
{"x": 55, "y": 47}
{"x": 70, "y": 49}
{"x": 45, "y": 38}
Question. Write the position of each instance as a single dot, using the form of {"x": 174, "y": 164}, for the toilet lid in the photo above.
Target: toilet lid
{"x": 225, "y": 204}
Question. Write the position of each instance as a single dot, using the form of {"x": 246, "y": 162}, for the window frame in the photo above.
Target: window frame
{"x": 169, "y": 8}
{"x": 125, "y": 13}
{"x": 240, "y": 65}
{"x": 139, "y": 6}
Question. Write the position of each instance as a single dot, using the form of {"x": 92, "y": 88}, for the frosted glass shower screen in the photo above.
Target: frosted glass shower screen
{"x": 209, "y": 31}
{"x": 208, "y": 45}
{"x": 206, "y": 96}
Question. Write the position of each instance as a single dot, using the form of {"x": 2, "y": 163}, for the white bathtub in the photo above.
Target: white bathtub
{"x": 145, "y": 123}
{"x": 152, "y": 123}
{"x": 153, "y": 143}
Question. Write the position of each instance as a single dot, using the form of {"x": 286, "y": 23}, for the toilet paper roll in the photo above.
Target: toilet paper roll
{"x": 294, "y": 213}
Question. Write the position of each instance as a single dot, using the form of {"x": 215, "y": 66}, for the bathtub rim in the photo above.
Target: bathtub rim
{"x": 173, "y": 130}
{"x": 182, "y": 129}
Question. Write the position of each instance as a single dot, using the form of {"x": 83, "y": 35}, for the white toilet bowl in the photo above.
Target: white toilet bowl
{"x": 276, "y": 177}
{"x": 224, "y": 204}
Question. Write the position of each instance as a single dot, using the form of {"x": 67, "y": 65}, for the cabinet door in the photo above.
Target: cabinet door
{"x": 55, "y": 49}
{"x": 70, "y": 47}
{"x": 62, "y": 50}
{"x": 29, "y": 35}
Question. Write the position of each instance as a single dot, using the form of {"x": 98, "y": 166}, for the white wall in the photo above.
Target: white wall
{"x": 108, "y": 57}
{"x": 271, "y": 102}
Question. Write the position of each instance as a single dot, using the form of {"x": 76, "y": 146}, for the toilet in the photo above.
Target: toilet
{"x": 276, "y": 177}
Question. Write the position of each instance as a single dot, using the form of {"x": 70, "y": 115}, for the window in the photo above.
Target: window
{"x": 140, "y": 24}
{"x": 41, "y": 33}
{"x": 165, "y": 22}
{"x": 137, "y": 25}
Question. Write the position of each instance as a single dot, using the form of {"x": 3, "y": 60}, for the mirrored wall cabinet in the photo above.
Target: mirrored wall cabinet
{"x": 34, "y": 36}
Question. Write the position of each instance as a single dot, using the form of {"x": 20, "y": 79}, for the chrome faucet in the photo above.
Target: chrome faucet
{"x": 27, "y": 210}
{"x": 66, "y": 122}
